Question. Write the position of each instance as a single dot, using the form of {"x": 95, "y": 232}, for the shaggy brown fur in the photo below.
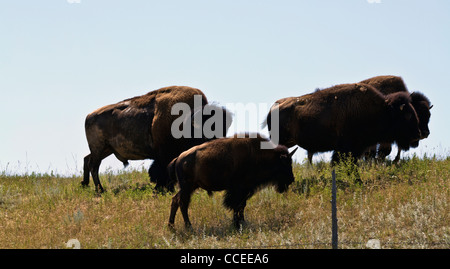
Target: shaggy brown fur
{"x": 237, "y": 165}
{"x": 387, "y": 84}
{"x": 139, "y": 128}
{"x": 422, "y": 105}
{"x": 346, "y": 118}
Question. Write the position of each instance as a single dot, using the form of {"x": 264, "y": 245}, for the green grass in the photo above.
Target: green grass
{"x": 404, "y": 206}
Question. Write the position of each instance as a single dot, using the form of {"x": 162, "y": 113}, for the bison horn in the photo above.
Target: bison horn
{"x": 431, "y": 107}
{"x": 292, "y": 152}
{"x": 402, "y": 106}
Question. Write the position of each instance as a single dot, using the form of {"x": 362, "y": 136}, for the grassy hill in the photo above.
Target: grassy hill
{"x": 404, "y": 206}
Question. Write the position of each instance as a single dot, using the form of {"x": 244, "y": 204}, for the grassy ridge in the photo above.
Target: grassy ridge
{"x": 404, "y": 206}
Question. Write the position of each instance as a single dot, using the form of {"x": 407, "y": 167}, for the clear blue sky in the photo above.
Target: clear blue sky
{"x": 60, "y": 61}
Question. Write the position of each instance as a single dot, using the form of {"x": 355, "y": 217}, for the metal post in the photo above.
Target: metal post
{"x": 334, "y": 225}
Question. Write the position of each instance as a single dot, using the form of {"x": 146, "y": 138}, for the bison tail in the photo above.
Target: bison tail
{"x": 172, "y": 170}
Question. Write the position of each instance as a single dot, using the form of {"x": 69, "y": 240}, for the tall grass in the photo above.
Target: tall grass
{"x": 404, "y": 206}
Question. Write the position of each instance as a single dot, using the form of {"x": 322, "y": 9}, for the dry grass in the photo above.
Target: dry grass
{"x": 404, "y": 206}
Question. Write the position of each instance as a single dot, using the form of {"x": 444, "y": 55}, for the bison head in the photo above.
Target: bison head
{"x": 422, "y": 106}
{"x": 405, "y": 121}
{"x": 284, "y": 176}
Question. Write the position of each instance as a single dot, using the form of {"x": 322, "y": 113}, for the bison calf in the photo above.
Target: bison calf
{"x": 237, "y": 165}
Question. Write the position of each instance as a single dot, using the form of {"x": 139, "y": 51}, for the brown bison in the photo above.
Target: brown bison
{"x": 422, "y": 105}
{"x": 237, "y": 165}
{"x": 140, "y": 128}
{"x": 346, "y": 118}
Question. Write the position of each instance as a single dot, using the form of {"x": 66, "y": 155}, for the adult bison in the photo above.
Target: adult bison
{"x": 346, "y": 118}
{"x": 140, "y": 128}
{"x": 422, "y": 105}
{"x": 237, "y": 165}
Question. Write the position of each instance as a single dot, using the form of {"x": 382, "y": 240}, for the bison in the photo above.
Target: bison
{"x": 140, "y": 128}
{"x": 422, "y": 105}
{"x": 234, "y": 164}
{"x": 346, "y": 118}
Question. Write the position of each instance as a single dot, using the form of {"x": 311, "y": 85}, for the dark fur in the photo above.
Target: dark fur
{"x": 140, "y": 128}
{"x": 422, "y": 105}
{"x": 346, "y": 118}
{"x": 236, "y": 165}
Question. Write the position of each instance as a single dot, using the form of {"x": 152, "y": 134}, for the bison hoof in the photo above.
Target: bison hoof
{"x": 239, "y": 225}
{"x": 100, "y": 190}
{"x": 171, "y": 227}
{"x": 188, "y": 226}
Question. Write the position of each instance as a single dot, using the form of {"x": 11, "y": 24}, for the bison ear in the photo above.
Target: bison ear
{"x": 292, "y": 152}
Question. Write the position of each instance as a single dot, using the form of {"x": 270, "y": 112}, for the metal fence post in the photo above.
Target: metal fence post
{"x": 334, "y": 225}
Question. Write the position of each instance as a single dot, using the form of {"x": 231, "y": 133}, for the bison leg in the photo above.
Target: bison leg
{"x": 181, "y": 200}
{"x": 370, "y": 153}
{"x": 86, "y": 168}
{"x": 236, "y": 199}
{"x": 92, "y": 165}
{"x": 238, "y": 216}
{"x": 384, "y": 150}
{"x": 99, "y": 150}
{"x": 94, "y": 171}
{"x": 185, "y": 199}
{"x": 174, "y": 209}
{"x": 397, "y": 158}
{"x": 310, "y": 156}
{"x": 335, "y": 158}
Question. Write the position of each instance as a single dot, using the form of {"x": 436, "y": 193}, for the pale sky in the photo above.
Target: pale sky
{"x": 60, "y": 61}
